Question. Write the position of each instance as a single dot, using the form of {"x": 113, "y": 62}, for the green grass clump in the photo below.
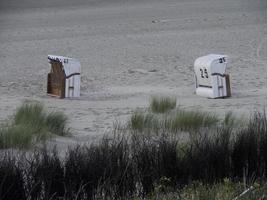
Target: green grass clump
{"x": 156, "y": 119}
{"x": 142, "y": 121}
{"x": 162, "y": 104}
{"x": 16, "y": 136}
{"x": 191, "y": 120}
{"x": 231, "y": 120}
{"x": 30, "y": 124}
{"x": 181, "y": 120}
{"x": 56, "y": 122}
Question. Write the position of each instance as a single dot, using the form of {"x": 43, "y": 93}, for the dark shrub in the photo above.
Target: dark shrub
{"x": 103, "y": 170}
{"x": 155, "y": 158}
{"x": 119, "y": 178}
{"x": 11, "y": 179}
{"x": 250, "y": 148}
{"x": 145, "y": 155}
{"x": 208, "y": 157}
{"x": 245, "y": 154}
{"x": 82, "y": 175}
{"x": 259, "y": 123}
{"x": 45, "y": 175}
{"x": 169, "y": 164}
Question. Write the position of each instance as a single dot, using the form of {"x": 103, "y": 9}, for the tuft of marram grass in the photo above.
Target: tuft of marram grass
{"x": 56, "y": 122}
{"x": 30, "y": 124}
{"x": 143, "y": 121}
{"x": 20, "y": 136}
{"x": 31, "y": 114}
{"x": 191, "y": 120}
{"x": 231, "y": 120}
{"x": 162, "y": 104}
{"x": 181, "y": 120}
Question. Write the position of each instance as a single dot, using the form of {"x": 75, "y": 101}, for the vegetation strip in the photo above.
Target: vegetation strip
{"x": 221, "y": 162}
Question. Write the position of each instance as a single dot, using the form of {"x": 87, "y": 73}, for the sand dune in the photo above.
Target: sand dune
{"x": 130, "y": 50}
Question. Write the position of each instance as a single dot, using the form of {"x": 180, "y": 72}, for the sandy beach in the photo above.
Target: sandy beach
{"x": 129, "y": 51}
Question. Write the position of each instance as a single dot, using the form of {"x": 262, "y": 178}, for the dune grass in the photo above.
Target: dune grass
{"x": 162, "y": 104}
{"x": 162, "y": 115}
{"x": 233, "y": 121}
{"x": 172, "y": 122}
{"x": 141, "y": 121}
{"x": 184, "y": 120}
{"x": 31, "y": 124}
